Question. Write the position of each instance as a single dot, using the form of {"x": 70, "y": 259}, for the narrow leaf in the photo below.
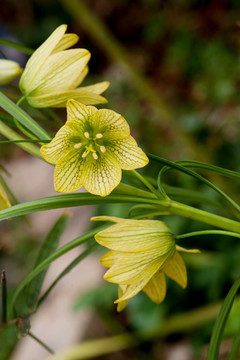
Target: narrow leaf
{"x": 26, "y": 120}
{"x": 48, "y": 247}
{"x": 58, "y": 253}
{"x": 217, "y": 333}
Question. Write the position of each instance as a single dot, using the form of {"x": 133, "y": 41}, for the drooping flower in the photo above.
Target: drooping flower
{"x": 9, "y": 70}
{"x": 54, "y": 72}
{"x": 141, "y": 253}
{"x": 91, "y": 149}
{"x": 4, "y": 202}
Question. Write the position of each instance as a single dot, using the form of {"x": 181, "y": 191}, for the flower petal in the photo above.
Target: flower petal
{"x": 176, "y": 270}
{"x": 110, "y": 258}
{"x": 82, "y": 115}
{"x": 121, "y": 305}
{"x": 156, "y": 288}
{"x": 38, "y": 58}
{"x": 133, "y": 290}
{"x": 107, "y": 218}
{"x": 59, "y": 72}
{"x": 113, "y": 125}
{"x": 134, "y": 267}
{"x": 56, "y": 151}
{"x": 4, "y": 202}
{"x": 97, "y": 88}
{"x": 68, "y": 174}
{"x": 127, "y": 153}
{"x": 101, "y": 176}
{"x": 60, "y": 99}
{"x": 67, "y": 41}
{"x": 194, "y": 251}
{"x": 137, "y": 235}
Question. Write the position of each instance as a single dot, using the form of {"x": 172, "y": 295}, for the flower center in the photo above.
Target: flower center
{"x": 91, "y": 145}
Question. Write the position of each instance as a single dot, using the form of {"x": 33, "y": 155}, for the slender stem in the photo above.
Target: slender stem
{"x": 147, "y": 184}
{"x": 41, "y": 342}
{"x": 203, "y": 216}
{"x": 208, "y": 232}
{"x": 3, "y": 297}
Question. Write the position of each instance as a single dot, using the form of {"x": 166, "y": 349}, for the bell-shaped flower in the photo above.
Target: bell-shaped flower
{"x": 91, "y": 149}
{"x": 54, "y": 72}
{"x": 141, "y": 253}
{"x": 4, "y": 202}
{"x": 9, "y": 70}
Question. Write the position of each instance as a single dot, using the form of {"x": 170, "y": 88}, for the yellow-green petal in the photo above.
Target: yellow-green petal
{"x": 57, "y": 150}
{"x": 38, "y": 58}
{"x": 193, "y": 251}
{"x": 156, "y": 288}
{"x": 97, "y": 88}
{"x": 68, "y": 174}
{"x": 59, "y": 72}
{"x": 67, "y": 41}
{"x": 176, "y": 270}
{"x": 4, "y": 202}
{"x": 128, "y": 154}
{"x": 122, "y": 304}
{"x": 110, "y": 258}
{"x": 134, "y": 267}
{"x": 101, "y": 176}
{"x": 82, "y": 115}
{"x": 136, "y": 236}
{"x": 133, "y": 290}
{"x": 113, "y": 125}
{"x": 107, "y": 218}
{"x": 9, "y": 70}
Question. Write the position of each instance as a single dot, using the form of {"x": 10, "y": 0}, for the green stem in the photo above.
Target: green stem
{"x": 208, "y": 232}
{"x": 149, "y": 185}
{"x": 203, "y": 216}
{"x": 12, "y": 135}
{"x": 41, "y": 343}
{"x": 3, "y": 297}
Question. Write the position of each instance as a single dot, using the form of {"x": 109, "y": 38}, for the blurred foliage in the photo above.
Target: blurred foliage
{"x": 189, "y": 50}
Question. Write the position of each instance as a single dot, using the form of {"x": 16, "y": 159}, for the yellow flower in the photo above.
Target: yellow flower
{"x": 91, "y": 149}
{"x": 9, "y": 70}
{"x": 4, "y": 202}
{"x": 53, "y": 73}
{"x": 141, "y": 253}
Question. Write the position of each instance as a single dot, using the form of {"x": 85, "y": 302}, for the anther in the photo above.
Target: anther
{"x": 99, "y": 136}
{"x": 86, "y": 134}
{"x": 84, "y": 154}
{"x": 102, "y": 148}
{"x": 77, "y": 146}
{"x": 95, "y": 156}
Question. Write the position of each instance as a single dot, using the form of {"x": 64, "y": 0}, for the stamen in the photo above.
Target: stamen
{"x": 77, "y": 146}
{"x": 86, "y": 134}
{"x": 85, "y": 154}
{"x": 95, "y": 156}
{"x": 99, "y": 136}
{"x": 102, "y": 148}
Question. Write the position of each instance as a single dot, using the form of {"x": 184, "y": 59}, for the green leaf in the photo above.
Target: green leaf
{"x": 75, "y": 262}
{"x": 58, "y": 253}
{"x": 218, "y": 329}
{"x": 16, "y": 46}
{"x": 26, "y": 120}
{"x": 216, "y": 169}
{"x": 48, "y": 247}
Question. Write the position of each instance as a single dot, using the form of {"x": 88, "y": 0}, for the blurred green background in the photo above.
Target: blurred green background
{"x": 174, "y": 72}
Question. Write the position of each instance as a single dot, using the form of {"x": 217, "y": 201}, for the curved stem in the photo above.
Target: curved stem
{"x": 148, "y": 185}
{"x": 208, "y": 232}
